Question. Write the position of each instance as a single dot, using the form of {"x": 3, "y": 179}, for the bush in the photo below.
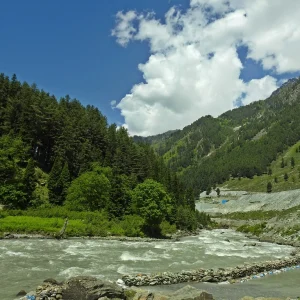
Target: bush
{"x": 166, "y": 228}
{"x": 186, "y": 218}
{"x": 133, "y": 225}
{"x": 256, "y": 229}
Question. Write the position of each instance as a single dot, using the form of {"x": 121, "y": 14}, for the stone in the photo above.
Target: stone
{"x": 91, "y": 288}
{"x": 21, "y": 293}
{"x": 190, "y": 293}
{"x": 207, "y": 279}
{"x": 50, "y": 280}
{"x": 260, "y": 298}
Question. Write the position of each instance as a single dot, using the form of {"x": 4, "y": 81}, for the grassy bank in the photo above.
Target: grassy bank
{"x": 50, "y": 221}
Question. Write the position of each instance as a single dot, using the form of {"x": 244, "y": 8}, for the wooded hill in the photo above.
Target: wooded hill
{"x": 58, "y": 152}
{"x": 242, "y": 142}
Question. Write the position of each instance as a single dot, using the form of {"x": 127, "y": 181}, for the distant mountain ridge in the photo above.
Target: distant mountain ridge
{"x": 239, "y": 143}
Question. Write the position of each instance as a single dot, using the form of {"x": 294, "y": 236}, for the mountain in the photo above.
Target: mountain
{"x": 242, "y": 142}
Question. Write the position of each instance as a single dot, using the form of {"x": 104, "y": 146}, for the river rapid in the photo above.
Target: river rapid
{"x": 25, "y": 263}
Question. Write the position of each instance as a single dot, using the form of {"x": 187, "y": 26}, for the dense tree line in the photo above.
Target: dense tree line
{"x": 62, "y": 153}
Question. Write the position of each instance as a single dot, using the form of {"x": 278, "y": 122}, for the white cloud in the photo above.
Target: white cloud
{"x": 113, "y": 104}
{"x": 124, "y": 30}
{"x": 259, "y": 89}
{"x": 194, "y": 69}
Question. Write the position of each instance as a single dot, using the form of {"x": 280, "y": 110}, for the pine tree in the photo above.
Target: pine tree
{"x": 63, "y": 184}
{"x": 286, "y": 177}
{"x": 275, "y": 179}
{"x": 269, "y": 187}
{"x": 269, "y": 171}
{"x": 282, "y": 163}
{"x": 190, "y": 199}
{"x": 208, "y": 191}
{"x": 218, "y": 192}
{"x": 53, "y": 181}
{"x": 29, "y": 179}
{"x": 292, "y": 162}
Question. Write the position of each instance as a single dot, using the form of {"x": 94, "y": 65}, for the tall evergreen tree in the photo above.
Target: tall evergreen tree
{"x": 53, "y": 181}
{"x": 63, "y": 184}
{"x": 29, "y": 179}
{"x": 292, "y": 162}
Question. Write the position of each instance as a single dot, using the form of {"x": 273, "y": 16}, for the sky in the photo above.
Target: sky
{"x": 153, "y": 65}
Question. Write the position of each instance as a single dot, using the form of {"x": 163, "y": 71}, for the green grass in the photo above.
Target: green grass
{"x": 51, "y": 220}
{"x": 259, "y": 183}
{"x": 256, "y": 229}
{"x": 37, "y": 225}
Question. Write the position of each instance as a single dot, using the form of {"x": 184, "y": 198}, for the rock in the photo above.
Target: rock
{"x": 90, "y": 288}
{"x": 250, "y": 245}
{"x": 260, "y": 298}
{"x": 207, "y": 279}
{"x": 51, "y": 280}
{"x": 190, "y": 293}
{"x": 8, "y": 235}
{"x": 21, "y": 293}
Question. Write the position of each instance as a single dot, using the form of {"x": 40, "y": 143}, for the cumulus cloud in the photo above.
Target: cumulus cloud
{"x": 194, "y": 69}
{"x": 259, "y": 89}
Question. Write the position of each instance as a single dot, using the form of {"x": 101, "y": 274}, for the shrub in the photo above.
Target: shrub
{"x": 166, "y": 228}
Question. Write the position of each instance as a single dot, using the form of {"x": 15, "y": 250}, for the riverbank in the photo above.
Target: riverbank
{"x": 229, "y": 275}
{"x": 84, "y": 287}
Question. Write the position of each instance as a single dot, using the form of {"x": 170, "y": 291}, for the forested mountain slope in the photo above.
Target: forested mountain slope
{"x": 242, "y": 142}
{"x": 60, "y": 153}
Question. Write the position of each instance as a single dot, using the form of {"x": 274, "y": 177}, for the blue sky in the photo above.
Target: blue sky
{"x": 66, "y": 47}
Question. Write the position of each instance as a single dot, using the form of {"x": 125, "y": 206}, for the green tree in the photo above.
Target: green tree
{"x": 54, "y": 191}
{"x": 120, "y": 195}
{"x": 63, "y": 184}
{"x": 286, "y": 176}
{"x": 269, "y": 187}
{"x": 190, "y": 199}
{"x": 90, "y": 191}
{"x": 186, "y": 218}
{"x": 275, "y": 179}
{"x": 208, "y": 190}
{"x": 29, "y": 179}
{"x": 13, "y": 196}
{"x": 151, "y": 201}
{"x": 282, "y": 163}
{"x": 218, "y": 192}
{"x": 292, "y": 162}
{"x": 269, "y": 171}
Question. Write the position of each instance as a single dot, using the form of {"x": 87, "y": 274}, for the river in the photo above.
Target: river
{"x": 25, "y": 263}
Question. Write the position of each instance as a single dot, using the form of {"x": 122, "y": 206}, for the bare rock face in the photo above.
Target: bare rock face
{"x": 90, "y": 288}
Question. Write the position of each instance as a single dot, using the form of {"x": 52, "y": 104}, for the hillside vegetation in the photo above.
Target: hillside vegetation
{"x": 242, "y": 143}
{"x": 283, "y": 174}
{"x": 60, "y": 154}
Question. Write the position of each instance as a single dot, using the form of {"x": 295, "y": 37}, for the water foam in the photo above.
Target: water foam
{"x": 147, "y": 256}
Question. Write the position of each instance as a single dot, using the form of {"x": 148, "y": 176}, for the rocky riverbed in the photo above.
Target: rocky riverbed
{"x": 91, "y": 288}
{"x": 212, "y": 275}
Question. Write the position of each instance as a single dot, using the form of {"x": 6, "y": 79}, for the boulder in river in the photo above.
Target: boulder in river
{"x": 90, "y": 288}
{"x": 21, "y": 293}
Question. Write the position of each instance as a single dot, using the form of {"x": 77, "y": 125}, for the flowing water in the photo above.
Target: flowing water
{"x": 26, "y": 263}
